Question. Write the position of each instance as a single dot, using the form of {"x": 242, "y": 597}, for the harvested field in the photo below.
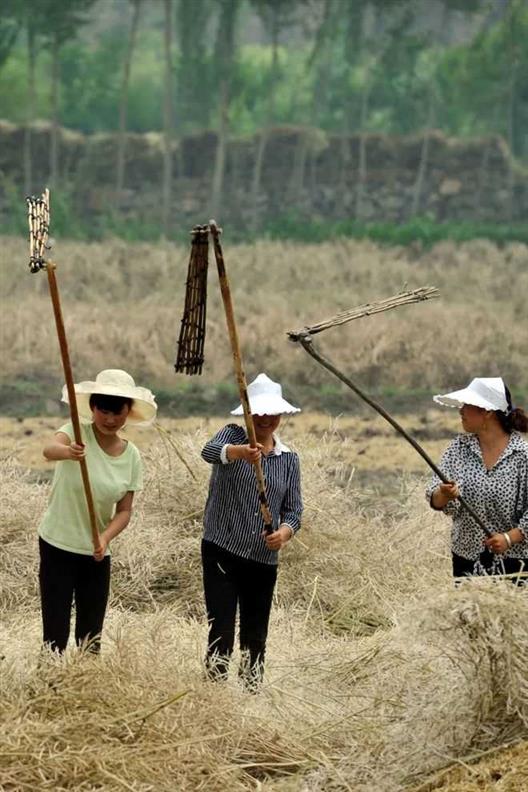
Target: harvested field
{"x": 379, "y": 673}
{"x": 480, "y": 315}
{"x": 381, "y": 677}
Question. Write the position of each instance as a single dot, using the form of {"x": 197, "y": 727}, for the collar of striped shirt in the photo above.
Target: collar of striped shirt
{"x": 279, "y": 446}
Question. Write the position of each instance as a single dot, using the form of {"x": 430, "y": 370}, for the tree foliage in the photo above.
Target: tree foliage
{"x": 312, "y": 62}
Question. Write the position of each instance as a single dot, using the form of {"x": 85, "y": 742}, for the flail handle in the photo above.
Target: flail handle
{"x": 239, "y": 371}
{"x": 39, "y": 217}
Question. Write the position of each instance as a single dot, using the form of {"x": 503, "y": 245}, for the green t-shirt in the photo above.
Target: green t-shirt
{"x": 66, "y": 522}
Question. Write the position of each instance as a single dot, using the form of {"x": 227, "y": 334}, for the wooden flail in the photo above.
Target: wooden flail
{"x": 190, "y": 355}
{"x": 305, "y": 338}
{"x": 39, "y": 222}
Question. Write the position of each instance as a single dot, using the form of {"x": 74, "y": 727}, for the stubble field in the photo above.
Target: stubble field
{"x": 380, "y": 676}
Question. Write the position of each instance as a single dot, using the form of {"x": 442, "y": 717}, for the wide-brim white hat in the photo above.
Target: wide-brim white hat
{"x": 486, "y": 392}
{"x": 265, "y": 398}
{"x": 115, "y": 382}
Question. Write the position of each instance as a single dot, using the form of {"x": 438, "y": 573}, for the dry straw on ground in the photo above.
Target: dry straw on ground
{"x": 378, "y": 671}
{"x": 277, "y": 287}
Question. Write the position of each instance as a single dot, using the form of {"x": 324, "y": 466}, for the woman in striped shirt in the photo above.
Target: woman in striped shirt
{"x": 239, "y": 560}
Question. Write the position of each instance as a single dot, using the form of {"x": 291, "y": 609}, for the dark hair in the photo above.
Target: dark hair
{"x": 113, "y": 404}
{"x": 514, "y": 418}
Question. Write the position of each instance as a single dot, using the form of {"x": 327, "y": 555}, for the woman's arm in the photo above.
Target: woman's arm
{"x": 443, "y": 497}
{"x": 228, "y": 445}
{"x": 444, "y": 493}
{"x": 61, "y": 448}
{"x": 501, "y": 542}
{"x": 291, "y": 510}
{"x": 117, "y": 524}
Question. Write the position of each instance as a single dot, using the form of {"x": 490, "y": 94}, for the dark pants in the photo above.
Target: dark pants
{"x": 488, "y": 563}
{"x": 230, "y": 580}
{"x": 62, "y": 576}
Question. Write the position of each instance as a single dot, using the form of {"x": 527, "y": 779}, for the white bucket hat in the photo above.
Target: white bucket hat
{"x": 115, "y": 382}
{"x": 265, "y": 398}
{"x": 486, "y": 392}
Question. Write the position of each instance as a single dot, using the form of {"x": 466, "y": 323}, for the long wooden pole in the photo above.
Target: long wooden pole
{"x": 307, "y": 344}
{"x": 74, "y": 413}
{"x": 239, "y": 372}
{"x": 38, "y": 236}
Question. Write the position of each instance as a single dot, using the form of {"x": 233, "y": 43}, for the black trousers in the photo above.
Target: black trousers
{"x": 231, "y": 581}
{"x": 63, "y": 576}
{"x": 510, "y": 566}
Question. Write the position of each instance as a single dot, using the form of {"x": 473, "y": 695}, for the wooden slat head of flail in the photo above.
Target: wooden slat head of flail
{"x": 39, "y": 220}
{"x": 190, "y": 352}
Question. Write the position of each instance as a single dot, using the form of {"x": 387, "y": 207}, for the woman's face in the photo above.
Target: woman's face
{"x": 265, "y": 425}
{"x": 473, "y": 418}
{"x": 108, "y": 422}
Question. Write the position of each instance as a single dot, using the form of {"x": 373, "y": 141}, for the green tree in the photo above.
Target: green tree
{"x": 167, "y": 118}
{"x": 63, "y": 19}
{"x": 224, "y": 59}
{"x": 276, "y": 16}
{"x": 194, "y": 64}
{"x": 123, "y": 98}
{"x": 9, "y": 29}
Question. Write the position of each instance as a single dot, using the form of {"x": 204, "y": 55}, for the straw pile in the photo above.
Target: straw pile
{"x": 378, "y": 672}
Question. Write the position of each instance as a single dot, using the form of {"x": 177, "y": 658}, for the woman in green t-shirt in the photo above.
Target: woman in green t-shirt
{"x": 69, "y": 567}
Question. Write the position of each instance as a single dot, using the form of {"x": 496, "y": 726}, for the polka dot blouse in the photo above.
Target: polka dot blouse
{"x": 499, "y": 495}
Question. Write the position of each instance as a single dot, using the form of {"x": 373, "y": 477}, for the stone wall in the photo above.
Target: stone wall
{"x": 304, "y": 172}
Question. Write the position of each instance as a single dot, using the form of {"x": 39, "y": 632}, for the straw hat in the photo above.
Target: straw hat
{"x": 486, "y": 392}
{"x": 265, "y": 398}
{"x": 115, "y": 382}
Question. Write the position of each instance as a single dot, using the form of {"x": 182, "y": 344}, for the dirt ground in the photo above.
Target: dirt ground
{"x": 369, "y": 443}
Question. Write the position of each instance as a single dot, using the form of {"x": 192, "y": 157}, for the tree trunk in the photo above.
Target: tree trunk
{"x": 224, "y": 49}
{"x": 54, "y": 137}
{"x": 424, "y": 157}
{"x": 511, "y": 109}
{"x": 266, "y": 132}
{"x": 167, "y": 122}
{"x": 221, "y": 151}
{"x": 362, "y": 154}
{"x": 257, "y": 178}
{"x": 30, "y": 112}
{"x": 484, "y": 164}
{"x": 298, "y": 169}
{"x": 123, "y": 98}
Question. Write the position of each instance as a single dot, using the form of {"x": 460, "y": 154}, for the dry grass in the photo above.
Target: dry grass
{"x": 128, "y": 299}
{"x": 378, "y": 672}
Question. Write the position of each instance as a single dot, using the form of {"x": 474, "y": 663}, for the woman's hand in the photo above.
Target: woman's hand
{"x": 62, "y": 448}
{"x": 246, "y": 452}
{"x": 497, "y": 543}
{"x": 76, "y": 452}
{"x": 445, "y": 493}
{"x": 277, "y": 539}
{"x": 99, "y": 554}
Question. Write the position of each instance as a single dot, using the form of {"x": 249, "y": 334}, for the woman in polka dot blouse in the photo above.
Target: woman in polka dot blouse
{"x": 488, "y": 466}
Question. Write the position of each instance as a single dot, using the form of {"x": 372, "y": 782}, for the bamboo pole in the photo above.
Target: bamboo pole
{"x": 306, "y": 342}
{"x": 38, "y": 227}
{"x": 239, "y": 371}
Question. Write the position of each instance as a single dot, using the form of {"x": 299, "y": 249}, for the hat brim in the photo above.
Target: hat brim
{"x": 461, "y": 397}
{"x": 142, "y": 412}
{"x": 268, "y": 405}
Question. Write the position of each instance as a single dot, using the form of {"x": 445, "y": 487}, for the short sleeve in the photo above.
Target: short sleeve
{"x": 66, "y": 429}
{"x": 136, "y": 473}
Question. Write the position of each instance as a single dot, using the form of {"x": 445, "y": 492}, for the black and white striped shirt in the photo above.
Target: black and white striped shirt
{"x": 233, "y": 519}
